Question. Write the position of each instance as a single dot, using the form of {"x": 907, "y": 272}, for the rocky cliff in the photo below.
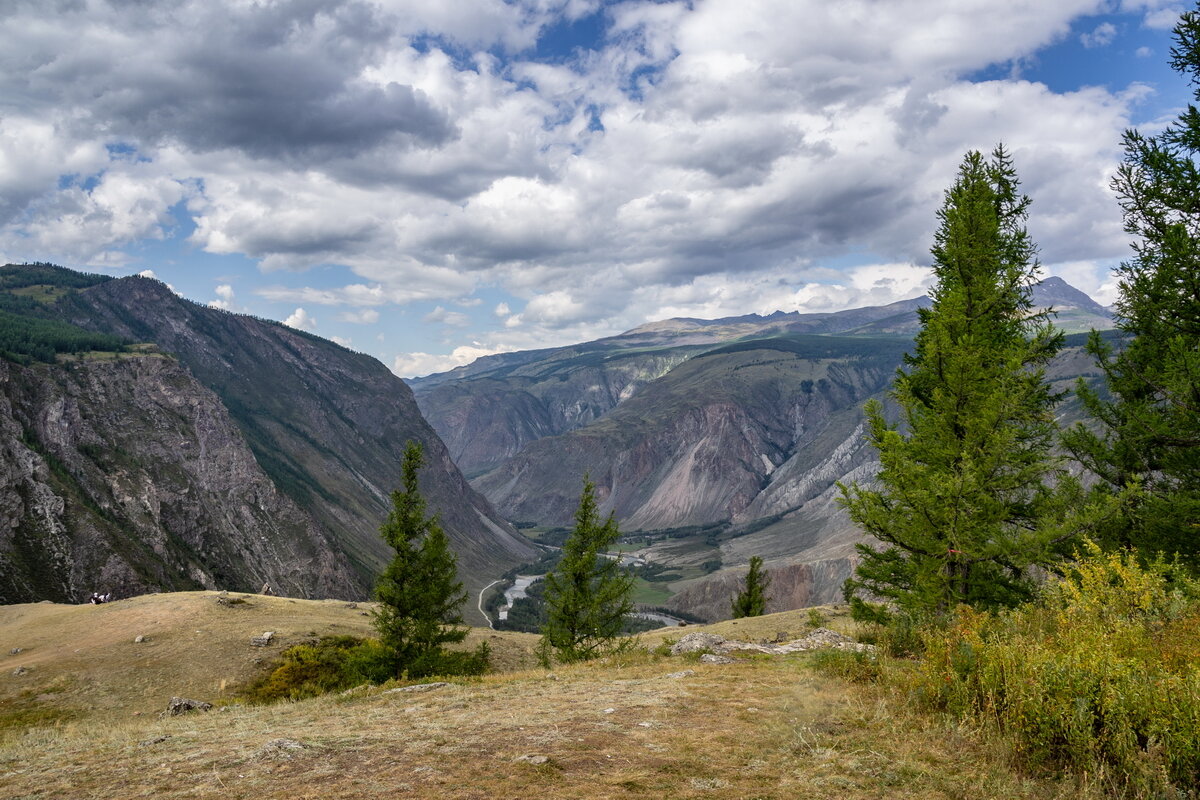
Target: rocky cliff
{"x": 124, "y": 474}
{"x": 283, "y": 470}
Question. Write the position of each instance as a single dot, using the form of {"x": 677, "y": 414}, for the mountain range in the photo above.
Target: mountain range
{"x": 709, "y": 440}
{"x": 149, "y": 443}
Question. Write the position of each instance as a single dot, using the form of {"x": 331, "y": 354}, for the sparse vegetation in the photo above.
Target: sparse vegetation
{"x": 1098, "y": 675}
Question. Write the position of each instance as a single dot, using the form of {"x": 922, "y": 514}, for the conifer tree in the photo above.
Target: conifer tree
{"x": 959, "y": 505}
{"x": 587, "y": 594}
{"x": 419, "y": 592}
{"x": 1149, "y": 440}
{"x": 751, "y": 601}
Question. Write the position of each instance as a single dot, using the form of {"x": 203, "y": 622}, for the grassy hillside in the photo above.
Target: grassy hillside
{"x": 642, "y": 726}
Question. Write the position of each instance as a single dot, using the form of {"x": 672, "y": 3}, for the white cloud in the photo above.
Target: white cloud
{"x": 368, "y": 316}
{"x": 453, "y": 318}
{"x": 301, "y": 320}
{"x": 1101, "y": 36}
{"x": 411, "y": 365}
{"x": 705, "y": 159}
{"x": 225, "y": 297}
{"x": 1143, "y": 52}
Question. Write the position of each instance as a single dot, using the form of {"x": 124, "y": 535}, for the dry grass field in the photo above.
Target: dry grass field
{"x": 82, "y": 720}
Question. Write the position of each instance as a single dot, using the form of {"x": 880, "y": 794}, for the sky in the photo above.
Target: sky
{"x": 429, "y": 181}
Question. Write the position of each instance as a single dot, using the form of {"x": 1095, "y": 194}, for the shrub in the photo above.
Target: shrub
{"x": 331, "y": 664}
{"x": 1097, "y": 675}
{"x": 337, "y": 663}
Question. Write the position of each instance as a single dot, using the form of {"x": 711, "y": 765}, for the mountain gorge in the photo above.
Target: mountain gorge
{"x": 729, "y": 443}
{"x": 231, "y": 452}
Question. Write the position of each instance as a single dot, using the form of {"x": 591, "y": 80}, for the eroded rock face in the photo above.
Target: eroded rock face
{"x": 126, "y": 475}
{"x": 328, "y": 426}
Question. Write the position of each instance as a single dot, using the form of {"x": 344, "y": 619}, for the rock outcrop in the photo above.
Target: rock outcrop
{"x": 125, "y": 474}
{"x": 226, "y": 452}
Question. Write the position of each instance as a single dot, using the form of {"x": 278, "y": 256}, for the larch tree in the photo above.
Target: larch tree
{"x": 751, "y": 601}
{"x": 419, "y": 593}
{"x": 588, "y": 595}
{"x": 1147, "y": 446}
{"x": 961, "y": 505}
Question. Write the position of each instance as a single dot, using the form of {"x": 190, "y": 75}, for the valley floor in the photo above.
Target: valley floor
{"x": 643, "y": 725}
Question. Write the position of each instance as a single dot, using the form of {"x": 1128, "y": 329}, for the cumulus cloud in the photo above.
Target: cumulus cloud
{"x": 301, "y": 320}
{"x": 413, "y": 365}
{"x": 1101, "y": 36}
{"x": 225, "y": 295}
{"x": 702, "y": 159}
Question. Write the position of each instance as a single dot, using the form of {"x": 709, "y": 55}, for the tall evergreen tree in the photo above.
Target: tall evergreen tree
{"x": 1149, "y": 439}
{"x": 419, "y": 593}
{"x": 959, "y": 505}
{"x": 587, "y": 594}
{"x": 751, "y": 601}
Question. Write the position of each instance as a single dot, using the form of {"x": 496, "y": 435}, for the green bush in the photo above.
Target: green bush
{"x": 1098, "y": 675}
{"x": 337, "y": 663}
{"x": 855, "y": 666}
{"x": 331, "y": 664}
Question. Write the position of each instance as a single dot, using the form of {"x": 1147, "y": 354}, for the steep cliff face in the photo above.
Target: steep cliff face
{"x": 489, "y": 410}
{"x": 124, "y": 474}
{"x": 488, "y": 420}
{"x": 327, "y": 426}
{"x": 704, "y": 443}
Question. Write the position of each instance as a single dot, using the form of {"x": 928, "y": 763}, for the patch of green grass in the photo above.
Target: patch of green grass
{"x": 41, "y": 293}
{"x": 651, "y": 594}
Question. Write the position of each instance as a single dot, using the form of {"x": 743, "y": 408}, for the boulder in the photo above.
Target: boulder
{"x": 695, "y": 642}
{"x": 182, "y": 705}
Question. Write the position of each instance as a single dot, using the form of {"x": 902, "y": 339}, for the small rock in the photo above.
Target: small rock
{"x": 21, "y": 670}
{"x": 682, "y": 673}
{"x": 280, "y": 748}
{"x": 264, "y": 640}
{"x": 709, "y": 658}
{"x": 155, "y": 740}
{"x": 609, "y": 710}
{"x": 708, "y": 784}
{"x": 223, "y": 593}
{"x": 222, "y": 601}
{"x": 529, "y": 759}
{"x": 781, "y": 636}
{"x": 139, "y": 639}
{"x": 182, "y": 705}
{"x": 693, "y": 642}
{"x": 418, "y": 687}
{"x": 14, "y": 651}
{"x": 644, "y": 725}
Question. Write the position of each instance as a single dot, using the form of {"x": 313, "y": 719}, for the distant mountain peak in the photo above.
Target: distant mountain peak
{"x": 1056, "y": 292}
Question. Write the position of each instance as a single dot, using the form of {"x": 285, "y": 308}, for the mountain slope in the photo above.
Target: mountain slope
{"x": 700, "y": 444}
{"x": 124, "y": 474}
{"x": 231, "y": 451}
{"x": 327, "y": 424}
